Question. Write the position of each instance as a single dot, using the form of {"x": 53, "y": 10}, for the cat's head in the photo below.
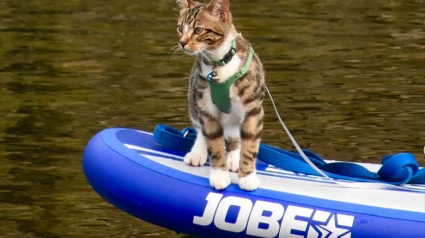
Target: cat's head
{"x": 203, "y": 26}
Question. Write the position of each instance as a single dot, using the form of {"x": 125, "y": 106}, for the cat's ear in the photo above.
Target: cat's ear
{"x": 219, "y": 8}
{"x": 184, "y": 4}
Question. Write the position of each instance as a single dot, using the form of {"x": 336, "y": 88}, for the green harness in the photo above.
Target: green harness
{"x": 220, "y": 92}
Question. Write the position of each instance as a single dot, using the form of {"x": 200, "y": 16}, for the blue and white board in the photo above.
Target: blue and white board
{"x": 128, "y": 169}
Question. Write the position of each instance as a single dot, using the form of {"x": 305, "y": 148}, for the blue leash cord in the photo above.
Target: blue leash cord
{"x": 396, "y": 169}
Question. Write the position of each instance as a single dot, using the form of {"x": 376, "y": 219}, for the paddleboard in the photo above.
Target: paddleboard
{"x": 151, "y": 182}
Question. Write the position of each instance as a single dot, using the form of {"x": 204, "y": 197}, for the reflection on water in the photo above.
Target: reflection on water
{"x": 348, "y": 78}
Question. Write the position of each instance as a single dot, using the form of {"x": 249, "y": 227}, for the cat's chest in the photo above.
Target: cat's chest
{"x": 224, "y": 72}
{"x": 237, "y": 110}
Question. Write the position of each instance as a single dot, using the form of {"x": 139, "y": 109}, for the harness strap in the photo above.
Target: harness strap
{"x": 220, "y": 91}
{"x": 396, "y": 169}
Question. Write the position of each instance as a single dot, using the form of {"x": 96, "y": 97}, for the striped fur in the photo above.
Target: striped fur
{"x": 231, "y": 141}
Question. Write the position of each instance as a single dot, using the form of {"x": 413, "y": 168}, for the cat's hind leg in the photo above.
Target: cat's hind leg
{"x": 198, "y": 154}
{"x": 250, "y": 143}
{"x": 214, "y": 137}
{"x": 233, "y": 147}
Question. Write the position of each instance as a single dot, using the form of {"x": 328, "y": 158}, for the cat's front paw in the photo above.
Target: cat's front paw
{"x": 219, "y": 179}
{"x": 249, "y": 182}
{"x": 233, "y": 160}
{"x": 195, "y": 159}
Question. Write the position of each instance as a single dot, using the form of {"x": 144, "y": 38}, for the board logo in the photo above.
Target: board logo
{"x": 268, "y": 219}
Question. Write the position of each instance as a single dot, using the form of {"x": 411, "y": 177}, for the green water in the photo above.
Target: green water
{"x": 348, "y": 78}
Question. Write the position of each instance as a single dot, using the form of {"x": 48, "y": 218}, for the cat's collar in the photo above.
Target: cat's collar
{"x": 220, "y": 92}
{"x": 226, "y": 58}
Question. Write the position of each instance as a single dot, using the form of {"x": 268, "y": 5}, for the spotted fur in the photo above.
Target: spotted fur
{"x": 231, "y": 141}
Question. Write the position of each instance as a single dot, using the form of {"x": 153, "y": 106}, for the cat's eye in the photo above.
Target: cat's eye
{"x": 180, "y": 28}
{"x": 198, "y": 30}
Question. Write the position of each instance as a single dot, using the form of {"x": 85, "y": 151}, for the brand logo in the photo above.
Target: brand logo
{"x": 268, "y": 219}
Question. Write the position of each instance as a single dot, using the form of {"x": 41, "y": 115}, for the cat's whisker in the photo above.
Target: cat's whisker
{"x": 171, "y": 50}
{"x": 174, "y": 49}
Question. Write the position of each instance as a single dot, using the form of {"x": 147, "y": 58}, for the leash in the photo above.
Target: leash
{"x": 396, "y": 169}
{"x": 294, "y": 142}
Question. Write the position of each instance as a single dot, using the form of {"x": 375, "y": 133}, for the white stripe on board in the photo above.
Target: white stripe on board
{"x": 135, "y": 147}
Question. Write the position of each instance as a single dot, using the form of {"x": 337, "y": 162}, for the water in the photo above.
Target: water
{"x": 348, "y": 78}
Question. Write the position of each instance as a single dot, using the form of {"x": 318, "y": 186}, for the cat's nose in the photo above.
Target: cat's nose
{"x": 183, "y": 44}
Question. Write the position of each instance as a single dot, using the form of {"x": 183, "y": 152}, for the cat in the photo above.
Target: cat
{"x": 226, "y": 91}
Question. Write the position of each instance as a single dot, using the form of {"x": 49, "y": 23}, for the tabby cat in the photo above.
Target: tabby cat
{"x": 226, "y": 91}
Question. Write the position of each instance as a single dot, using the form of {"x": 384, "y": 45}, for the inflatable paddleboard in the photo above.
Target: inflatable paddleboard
{"x": 151, "y": 182}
